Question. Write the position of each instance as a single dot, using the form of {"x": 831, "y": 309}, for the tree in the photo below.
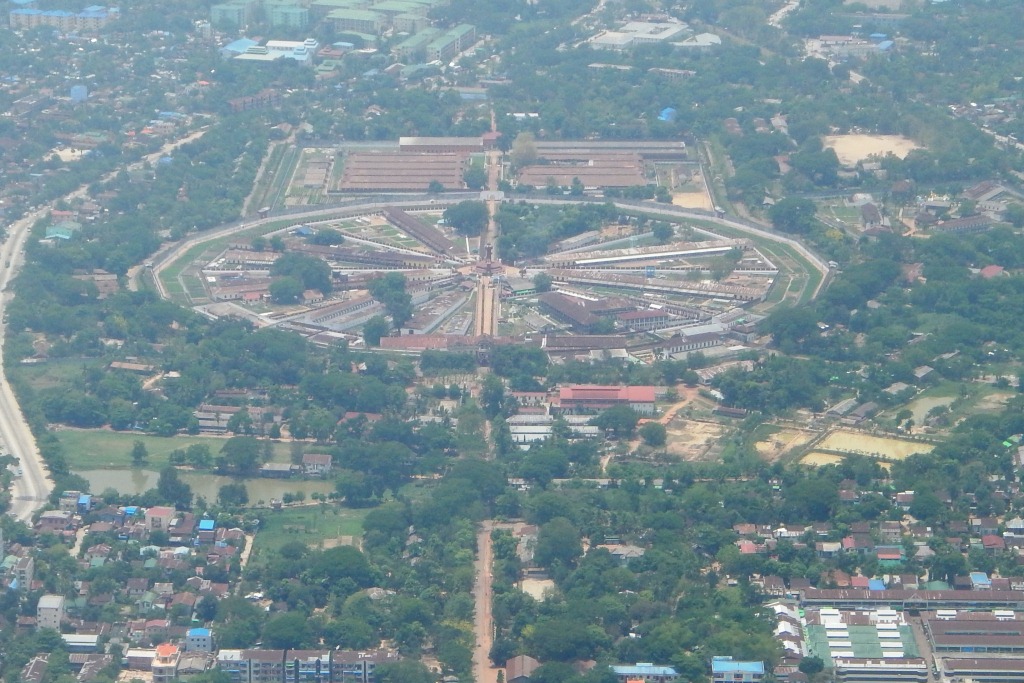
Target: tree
{"x": 558, "y": 541}
{"x": 286, "y": 290}
{"x": 662, "y": 232}
{"x": 326, "y": 237}
{"x": 468, "y": 218}
{"x": 793, "y": 214}
{"x": 240, "y": 454}
{"x": 524, "y": 150}
{"x": 492, "y": 395}
{"x": 435, "y": 187}
{"x": 287, "y": 631}
{"x": 403, "y": 671}
{"x": 620, "y": 420}
{"x": 811, "y": 665}
{"x": 311, "y": 272}
{"x": 654, "y": 434}
{"x": 375, "y": 328}
{"x": 1014, "y": 214}
{"x": 139, "y": 454}
{"x": 233, "y": 495}
{"x": 390, "y": 290}
{"x": 173, "y": 490}
{"x": 475, "y": 177}
{"x": 542, "y": 282}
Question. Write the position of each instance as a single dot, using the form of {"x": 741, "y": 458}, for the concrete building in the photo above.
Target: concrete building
{"x": 358, "y": 20}
{"x": 307, "y": 665}
{"x": 199, "y": 640}
{"x": 288, "y": 16}
{"x": 50, "y": 612}
{"x": 636, "y": 33}
{"x": 165, "y": 663}
{"x": 234, "y": 14}
{"x": 24, "y": 572}
{"x": 728, "y": 670}
{"x": 983, "y": 670}
{"x": 159, "y": 518}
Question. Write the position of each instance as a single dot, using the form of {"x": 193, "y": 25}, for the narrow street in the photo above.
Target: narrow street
{"x": 483, "y": 672}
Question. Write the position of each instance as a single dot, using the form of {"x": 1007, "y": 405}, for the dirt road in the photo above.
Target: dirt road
{"x": 483, "y": 672}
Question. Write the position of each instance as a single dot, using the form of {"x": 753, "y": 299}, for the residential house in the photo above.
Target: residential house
{"x": 984, "y": 525}
{"x": 159, "y": 518}
{"x": 623, "y": 553}
{"x": 55, "y": 521}
{"x": 317, "y": 464}
{"x": 993, "y": 543}
{"x": 519, "y": 669}
{"x": 891, "y": 531}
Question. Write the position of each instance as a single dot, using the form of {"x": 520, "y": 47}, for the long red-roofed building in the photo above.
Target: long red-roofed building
{"x": 592, "y": 398}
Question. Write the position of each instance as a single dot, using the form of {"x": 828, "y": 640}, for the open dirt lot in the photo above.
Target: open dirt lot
{"x": 816, "y": 459}
{"x": 819, "y": 459}
{"x": 693, "y": 200}
{"x": 853, "y": 148}
{"x": 782, "y": 442}
{"x": 67, "y": 155}
{"x": 690, "y": 439}
{"x": 882, "y": 447}
{"x": 535, "y": 588}
{"x": 994, "y": 401}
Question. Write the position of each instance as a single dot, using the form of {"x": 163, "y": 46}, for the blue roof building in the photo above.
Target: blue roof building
{"x": 980, "y": 581}
{"x": 206, "y": 524}
{"x": 667, "y": 114}
{"x": 728, "y": 669}
{"x": 238, "y": 47}
{"x": 650, "y": 673}
{"x": 876, "y": 585}
{"x": 199, "y": 640}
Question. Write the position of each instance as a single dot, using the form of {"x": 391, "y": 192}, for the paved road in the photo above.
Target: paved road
{"x": 32, "y": 488}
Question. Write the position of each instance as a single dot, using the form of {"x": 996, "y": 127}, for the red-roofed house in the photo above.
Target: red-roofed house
{"x": 589, "y": 397}
{"x": 993, "y": 543}
{"x": 989, "y": 272}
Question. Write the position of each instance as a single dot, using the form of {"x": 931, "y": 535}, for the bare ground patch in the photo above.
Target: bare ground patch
{"x": 857, "y": 147}
{"x": 692, "y": 439}
{"x": 782, "y": 442}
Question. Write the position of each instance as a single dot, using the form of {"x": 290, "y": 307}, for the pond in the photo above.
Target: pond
{"x": 131, "y": 481}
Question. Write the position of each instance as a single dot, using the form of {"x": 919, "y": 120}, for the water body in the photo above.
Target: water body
{"x": 131, "y": 481}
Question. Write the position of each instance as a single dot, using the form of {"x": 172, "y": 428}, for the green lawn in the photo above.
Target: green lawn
{"x": 93, "y": 449}
{"x": 308, "y": 524}
{"x": 53, "y": 373}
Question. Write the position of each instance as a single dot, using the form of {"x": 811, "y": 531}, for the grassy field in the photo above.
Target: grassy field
{"x": 53, "y": 373}
{"x": 94, "y": 449}
{"x": 311, "y": 525}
